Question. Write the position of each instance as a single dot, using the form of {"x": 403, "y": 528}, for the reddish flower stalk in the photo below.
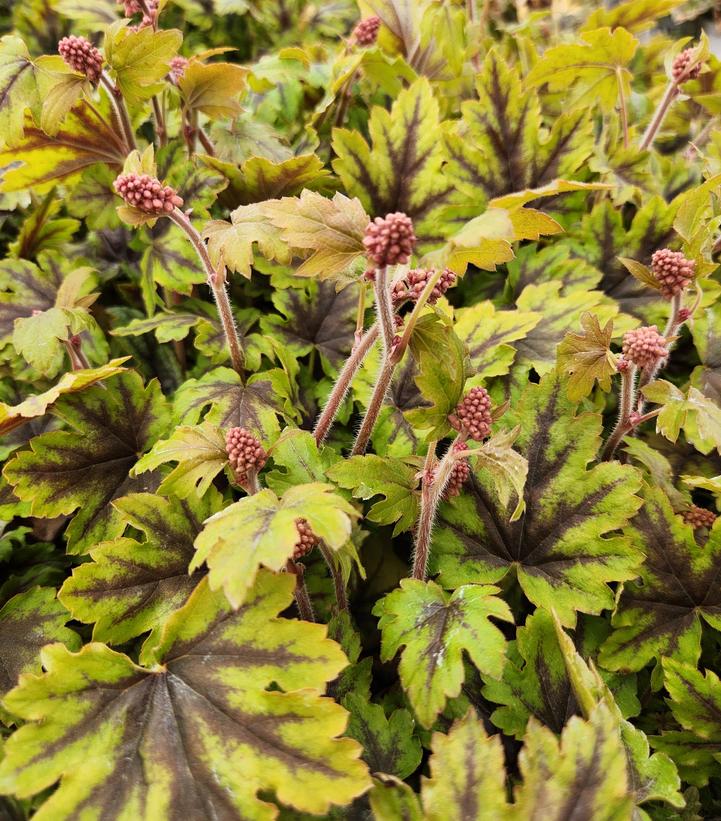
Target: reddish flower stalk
{"x": 216, "y": 282}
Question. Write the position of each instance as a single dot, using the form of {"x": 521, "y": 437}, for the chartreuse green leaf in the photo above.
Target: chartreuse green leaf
{"x": 18, "y": 88}
{"x": 499, "y": 145}
{"x": 395, "y": 480}
{"x": 587, "y": 357}
{"x": 435, "y": 629}
{"x": 12, "y": 416}
{"x": 467, "y": 778}
{"x": 197, "y": 730}
{"x": 330, "y": 229}
{"x": 28, "y": 621}
{"x": 298, "y": 460}
{"x": 131, "y": 586}
{"x": 401, "y": 169}
{"x": 391, "y": 799}
{"x": 660, "y": 615}
{"x": 534, "y": 683}
{"x": 232, "y": 243}
{"x": 487, "y": 334}
{"x": 40, "y": 160}
{"x": 212, "y": 88}
{"x": 200, "y": 453}
{"x": 441, "y": 360}
{"x": 559, "y": 314}
{"x": 261, "y": 530}
{"x": 89, "y": 466}
{"x": 697, "y": 415}
{"x": 585, "y": 769}
{"x": 234, "y": 403}
{"x": 388, "y": 742}
{"x": 650, "y": 777}
{"x": 559, "y": 549}
{"x": 39, "y": 339}
{"x": 596, "y": 69}
{"x": 695, "y": 701}
{"x": 25, "y": 288}
{"x": 504, "y": 467}
{"x": 139, "y": 60}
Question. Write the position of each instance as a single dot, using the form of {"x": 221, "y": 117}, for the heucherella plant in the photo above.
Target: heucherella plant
{"x": 360, "y": 405}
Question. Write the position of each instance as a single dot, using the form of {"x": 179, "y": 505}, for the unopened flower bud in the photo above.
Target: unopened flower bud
{"x": 645, "y": 346}
{"x": 147, "y": 194}
{"x": 366, "y": 32}
{"x": 389, "y": 240}
{"x": 82, "y": 56}
{"x": 682, "y": 68}
{"x": 672, "y": 271}
{"x": 698, "y": 516}
{"x": 245, "y": 453}
{"x": 459, "y": 474}
{"x": 473, "y": 414}
{"x": 307, "y": 540}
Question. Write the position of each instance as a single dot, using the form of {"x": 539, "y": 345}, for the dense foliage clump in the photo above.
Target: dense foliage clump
{"x": 361, "y": 410}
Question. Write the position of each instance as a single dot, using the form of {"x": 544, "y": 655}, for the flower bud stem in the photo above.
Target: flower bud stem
{"x": 625, "y": 406}
{"x": 659, "y": 115}
{"x": 385, "y": 374}
{"x": 216, "y": 282}
{"x": 433, "y": 484}
{"x": 672, "y": 326}
{"x": 121, "y": 112}
{"x": 302, "y": 598}
{"x": 349, "y": 370}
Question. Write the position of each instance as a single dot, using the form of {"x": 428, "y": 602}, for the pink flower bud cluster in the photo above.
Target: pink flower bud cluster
{"x": 645, "y": 346}
{"x": 681, "y": 68}
{"x": 459, "y": 474}
{"x": 699, "y": 517}
{"x": 473, "y": 414}
{"x": 147, "y": 194}
{"x": 133, "y": 7}
{"x": 82, "y": 56}
{"x": 177, "y": 68}
{"x": 307, "y": 540}
{"x": 389, "y": 240}
{"x": 245, "y": 453}
{"x": 366, "y": 32}
{"x": 415, "y": 281}
{"x": 672, "y": 270}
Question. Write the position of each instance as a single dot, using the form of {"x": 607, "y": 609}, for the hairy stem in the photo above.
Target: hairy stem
{"x": 384, "y": 308}
{"x": 302, "y": 598}
{"x": 625, "y": 406}
{"x": 432, "y": 486}
{"x": 374, "y": 406}
{"x": 648, "y": 375}
{"x": 659, "y": 115}
{"x": 159, "y": 123}
{"x": 348, "y": 372}
{"x": 121, "y": 112}
{"x": 335, "y": 571}
{"x": 216, "y": 282}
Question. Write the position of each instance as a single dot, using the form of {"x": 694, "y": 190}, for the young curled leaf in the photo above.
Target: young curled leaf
{"x": 587, "y": 357}
{"x": 200, "y": 453}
